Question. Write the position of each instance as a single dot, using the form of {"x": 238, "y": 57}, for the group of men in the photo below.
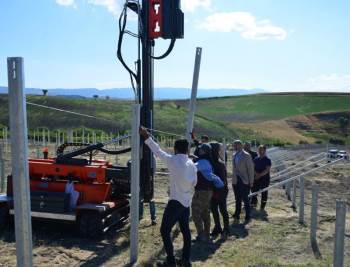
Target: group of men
{"x": 199, "y": 182}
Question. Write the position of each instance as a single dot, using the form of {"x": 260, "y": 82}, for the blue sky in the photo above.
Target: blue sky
{"x": 277, "y": 45}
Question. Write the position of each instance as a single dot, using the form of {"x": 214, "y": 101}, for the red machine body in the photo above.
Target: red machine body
{"x": 102, "y": 191}
{"x": 91, "y": 182}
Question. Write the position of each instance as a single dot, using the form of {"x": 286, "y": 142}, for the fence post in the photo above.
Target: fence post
{"x": 288, "y": 190}
{"x": 135, "y": 184}
{"x": 83, "y": 136}
{"x": 294, "y": 195}
{"x": 302, "y": 200}
{"x": 6, "y": 139}
{"x": 192, "y": 106}
{"x": 2, "y": 170}
{"x": 224, "y": 148}
{"x": 94, "y": 137}
{"x": 70, "y": 135}
{"x": 338, "y": 254}
{"x": 44, "y": 141}
{"x": 19, "y": 157}
{"x": 313, "y": 231}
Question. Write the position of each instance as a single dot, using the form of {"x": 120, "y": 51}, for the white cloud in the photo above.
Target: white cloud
{"x": 65, "y": 2}
{"x": 192, "y": 5}
{"x": 330, "y": 82}
{"x": 112, "y": 5}
{"x": 244, "y": 23}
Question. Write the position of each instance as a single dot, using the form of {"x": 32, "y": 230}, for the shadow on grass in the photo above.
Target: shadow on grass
{"x": 260, "y": 215}
{"x": 52, "y": 234}
{"x": 201, "y": 251}
{"x": 239, "y": 231}
{"x": 159, "y": 254}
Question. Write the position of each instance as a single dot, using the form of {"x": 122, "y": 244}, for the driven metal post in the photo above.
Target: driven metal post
{"x": 70, "y": 135}
{"x": 135, "y": 184}
{"x": 288, "y": 190}
{"x": 302, "y": 200}
{"x": 2, "y": 170}
{"x": 314, "y": 207}
{"x": 44, "y": 141}
{"x": 294, "y": 195}
{"x": 19, "y": 156}
{"x": 192, "y": 107}
{"x": 338, "y": 254}
{"x": 6, "y": 139}
{"x": 224, "y": 148}
{"x": 34, "y": 138}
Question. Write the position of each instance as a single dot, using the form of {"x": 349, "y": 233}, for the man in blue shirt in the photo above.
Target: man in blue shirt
{"x": 206, "y": 181}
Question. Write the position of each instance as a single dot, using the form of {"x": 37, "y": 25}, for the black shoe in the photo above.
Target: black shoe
{"x": 247, "y": 220}
{"x": 197, "y": 239}
{"x": 154, "y": 222}
{"x": 183, "y": 263}
{"x": 225, "y": 233}
{"x": 166, "y": 264}
{"x": 216, "y": 232}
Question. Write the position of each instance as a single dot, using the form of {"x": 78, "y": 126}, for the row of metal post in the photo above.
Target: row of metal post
{"x": 338, "y": 253}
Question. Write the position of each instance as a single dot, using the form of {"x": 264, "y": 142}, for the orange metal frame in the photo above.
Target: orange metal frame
{"x": 92, "y": 185}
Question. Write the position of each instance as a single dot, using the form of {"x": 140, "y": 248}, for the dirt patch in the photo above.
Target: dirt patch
{"x": 279, "y": 129}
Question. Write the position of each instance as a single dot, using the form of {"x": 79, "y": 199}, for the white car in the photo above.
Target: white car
{"x": 343, "y": 154}
{"x": 333, "y": 153}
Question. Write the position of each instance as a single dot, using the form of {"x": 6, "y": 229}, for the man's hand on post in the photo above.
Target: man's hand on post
{"x": 144, "y": 133}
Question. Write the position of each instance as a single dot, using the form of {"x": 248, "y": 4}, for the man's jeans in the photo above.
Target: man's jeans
{"x": 176, "y": 212}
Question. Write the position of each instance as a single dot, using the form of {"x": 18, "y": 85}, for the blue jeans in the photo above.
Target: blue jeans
{"x": 176, "y": 212}
{"x": 241, "y": 191}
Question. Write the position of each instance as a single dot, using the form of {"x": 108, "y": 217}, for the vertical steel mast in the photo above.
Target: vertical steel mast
{"x": 146, "y": 168}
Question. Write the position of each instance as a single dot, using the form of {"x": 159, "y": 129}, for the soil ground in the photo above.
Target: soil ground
{"x": 273, "y": 238}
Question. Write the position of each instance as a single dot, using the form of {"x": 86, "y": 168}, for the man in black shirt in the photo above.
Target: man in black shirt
{"x": 248, "y": 148}
{"x": 262, "y": 177}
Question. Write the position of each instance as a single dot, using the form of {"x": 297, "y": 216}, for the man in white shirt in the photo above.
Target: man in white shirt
{"x": 183, "y": 178}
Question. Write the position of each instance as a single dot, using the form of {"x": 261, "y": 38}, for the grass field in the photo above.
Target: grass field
{"x": 269, "y": 106}
{"x": 227, "y": 117}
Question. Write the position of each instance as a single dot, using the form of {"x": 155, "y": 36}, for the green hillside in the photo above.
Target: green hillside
{"x": 216, "y": 116}
{"x": 271, "y": 106}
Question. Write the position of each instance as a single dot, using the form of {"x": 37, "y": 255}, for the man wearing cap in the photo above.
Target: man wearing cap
{"x": 206, "y": 181}
{"x": 242, "y": 180}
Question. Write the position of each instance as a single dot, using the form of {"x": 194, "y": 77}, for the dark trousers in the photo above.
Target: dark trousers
{"x": 241, "y": 191}
{"x": 216, "y": 205}
{"x": 176, "y": 212}
{"x": 260, "y": 184}
{"x": 152, "y": 210}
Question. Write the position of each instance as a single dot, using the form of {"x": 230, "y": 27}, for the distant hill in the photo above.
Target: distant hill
{"x": 268, "y": 118}
{"x": 127, "y": 93}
